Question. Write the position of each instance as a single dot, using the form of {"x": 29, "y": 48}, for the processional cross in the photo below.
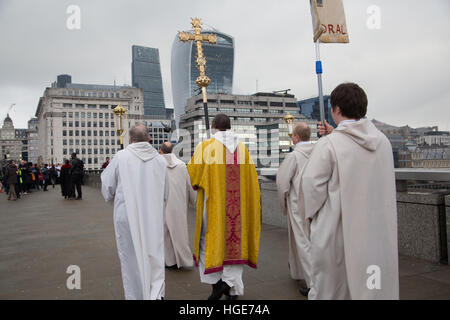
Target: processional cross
{"x": 202, "y": 81}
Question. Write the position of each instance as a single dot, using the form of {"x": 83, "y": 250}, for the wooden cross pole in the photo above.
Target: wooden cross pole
{"x": 202, "y": 81}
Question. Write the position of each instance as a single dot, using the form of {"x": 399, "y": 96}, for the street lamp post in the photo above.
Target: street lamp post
{"x": 119, "y": 118}
{"x": 289, "y": 119}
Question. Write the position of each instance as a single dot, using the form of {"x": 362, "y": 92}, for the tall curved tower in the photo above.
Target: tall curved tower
{"x": 219, "y": 68}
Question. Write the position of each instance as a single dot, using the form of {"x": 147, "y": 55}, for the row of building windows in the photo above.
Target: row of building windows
{"x": 106, "y": 151}
{"x": 238, "y": 110}
{"x": 431, "y": 164}
{"x": 94, "y": 106}
{"x": 87, "y": 133}
{"x": 247, "y": 119}
{"x": 77, "y": 114}
{"x": 89, "y": 123}
{"x": 98, "y": 94}
{"x": 89, "y": 142}
{"x": 249, "y": 103}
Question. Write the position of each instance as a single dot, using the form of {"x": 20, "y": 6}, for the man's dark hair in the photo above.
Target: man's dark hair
{"x": 351, "y": 99}
{"x": 74, "y": 155}
{"x": 221, "y": 122}
{"x": 166, "y": 147}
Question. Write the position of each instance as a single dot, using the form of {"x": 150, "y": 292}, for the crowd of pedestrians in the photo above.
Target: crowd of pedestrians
{"x": 21, "y": 178}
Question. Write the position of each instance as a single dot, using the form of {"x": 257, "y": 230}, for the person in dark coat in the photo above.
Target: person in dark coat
{"x": 66, "y": 180}
{"x": 77, "y": 172}
{"x": 23, "y": 168}
{"x": 105, "y": 164}
{"x": 11, "y": 179}
{"x": 53, "y": 175}
{"x": 36, "y": 173}
{"x": 46, "y": 176}
{"x": 30, "y": 177}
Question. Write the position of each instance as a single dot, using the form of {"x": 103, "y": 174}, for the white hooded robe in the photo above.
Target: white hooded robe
{"x": 181, "y": 193}
{"x": 136, "y": 179}
{"x": 348, "y": 193}
{"x": 288, "y": 183}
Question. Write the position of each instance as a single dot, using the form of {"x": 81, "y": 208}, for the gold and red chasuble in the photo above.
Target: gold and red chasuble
{"x": 232, "y": 208}
{"x": 229, "y": 182}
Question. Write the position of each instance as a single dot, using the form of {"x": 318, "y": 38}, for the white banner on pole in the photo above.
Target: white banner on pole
{"x": 328, "y": 19}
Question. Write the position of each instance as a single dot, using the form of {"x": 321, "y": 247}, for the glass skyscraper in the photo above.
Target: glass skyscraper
{"x": 310, "y": 108}
{"x": 219, "y": 68}
{"x": 146, "y": 74}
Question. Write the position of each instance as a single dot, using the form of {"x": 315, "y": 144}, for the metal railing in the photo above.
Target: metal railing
{"x": 405, "y": 178}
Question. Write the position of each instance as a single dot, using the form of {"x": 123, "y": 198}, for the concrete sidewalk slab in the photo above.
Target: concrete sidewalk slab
{"x": 42, "y": 234}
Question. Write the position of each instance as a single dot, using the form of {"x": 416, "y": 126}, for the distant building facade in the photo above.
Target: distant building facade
{"x": 78, "y": 118}
{"x": 424, "y": 147}
{"x": 219, "y": 68}
{"x": 157, "y": 131}
{"x": 146, "y": 74}
{"x": 431, "y": 157}
{"x": 12, "y": 141}
{"x": 435, "y": 138}
{"x": 33, "y": 141}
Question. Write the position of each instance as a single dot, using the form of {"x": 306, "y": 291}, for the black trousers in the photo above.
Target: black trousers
{"x": 46, "y": 183}
{"x": 76, "y": 181}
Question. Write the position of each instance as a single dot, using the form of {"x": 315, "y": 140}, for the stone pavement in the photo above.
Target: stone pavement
{"x": 42, "y": 234}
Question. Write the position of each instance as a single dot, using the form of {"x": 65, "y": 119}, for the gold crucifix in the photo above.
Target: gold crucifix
{"x": 202, "y": 81}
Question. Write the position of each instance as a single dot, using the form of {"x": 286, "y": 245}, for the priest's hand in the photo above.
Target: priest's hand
{"x": 324, "y": 129}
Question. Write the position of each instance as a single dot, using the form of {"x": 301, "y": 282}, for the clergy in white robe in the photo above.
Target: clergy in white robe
{"x": 136, "y": 179}
{"x": 288, "y": 183}
{"x": 176, "y": 240}
{"x": 348, "y": 195}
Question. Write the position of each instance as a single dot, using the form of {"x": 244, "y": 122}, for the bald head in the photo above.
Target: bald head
{"x": 139, "y": 133}
{"x": 302, "y": 131}
{"x": 166, "y": 147}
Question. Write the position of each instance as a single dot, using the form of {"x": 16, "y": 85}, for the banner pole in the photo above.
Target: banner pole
{"x": 319, "y": 82}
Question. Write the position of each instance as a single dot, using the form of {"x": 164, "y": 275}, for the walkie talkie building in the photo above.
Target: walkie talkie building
{"x": 219, "y": 68}
{"x": 146, "y": 74}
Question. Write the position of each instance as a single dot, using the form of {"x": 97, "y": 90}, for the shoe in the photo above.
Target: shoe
{"x": 304, "y": 291}
{"x": 219, "y": 289}
{"x": 174, "y": 267}
{"x": 79, "y": 198}
{"x": 231, "y": 297}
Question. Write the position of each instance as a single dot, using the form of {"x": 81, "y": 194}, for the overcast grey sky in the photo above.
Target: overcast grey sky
{"x": 403, "y": 66}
